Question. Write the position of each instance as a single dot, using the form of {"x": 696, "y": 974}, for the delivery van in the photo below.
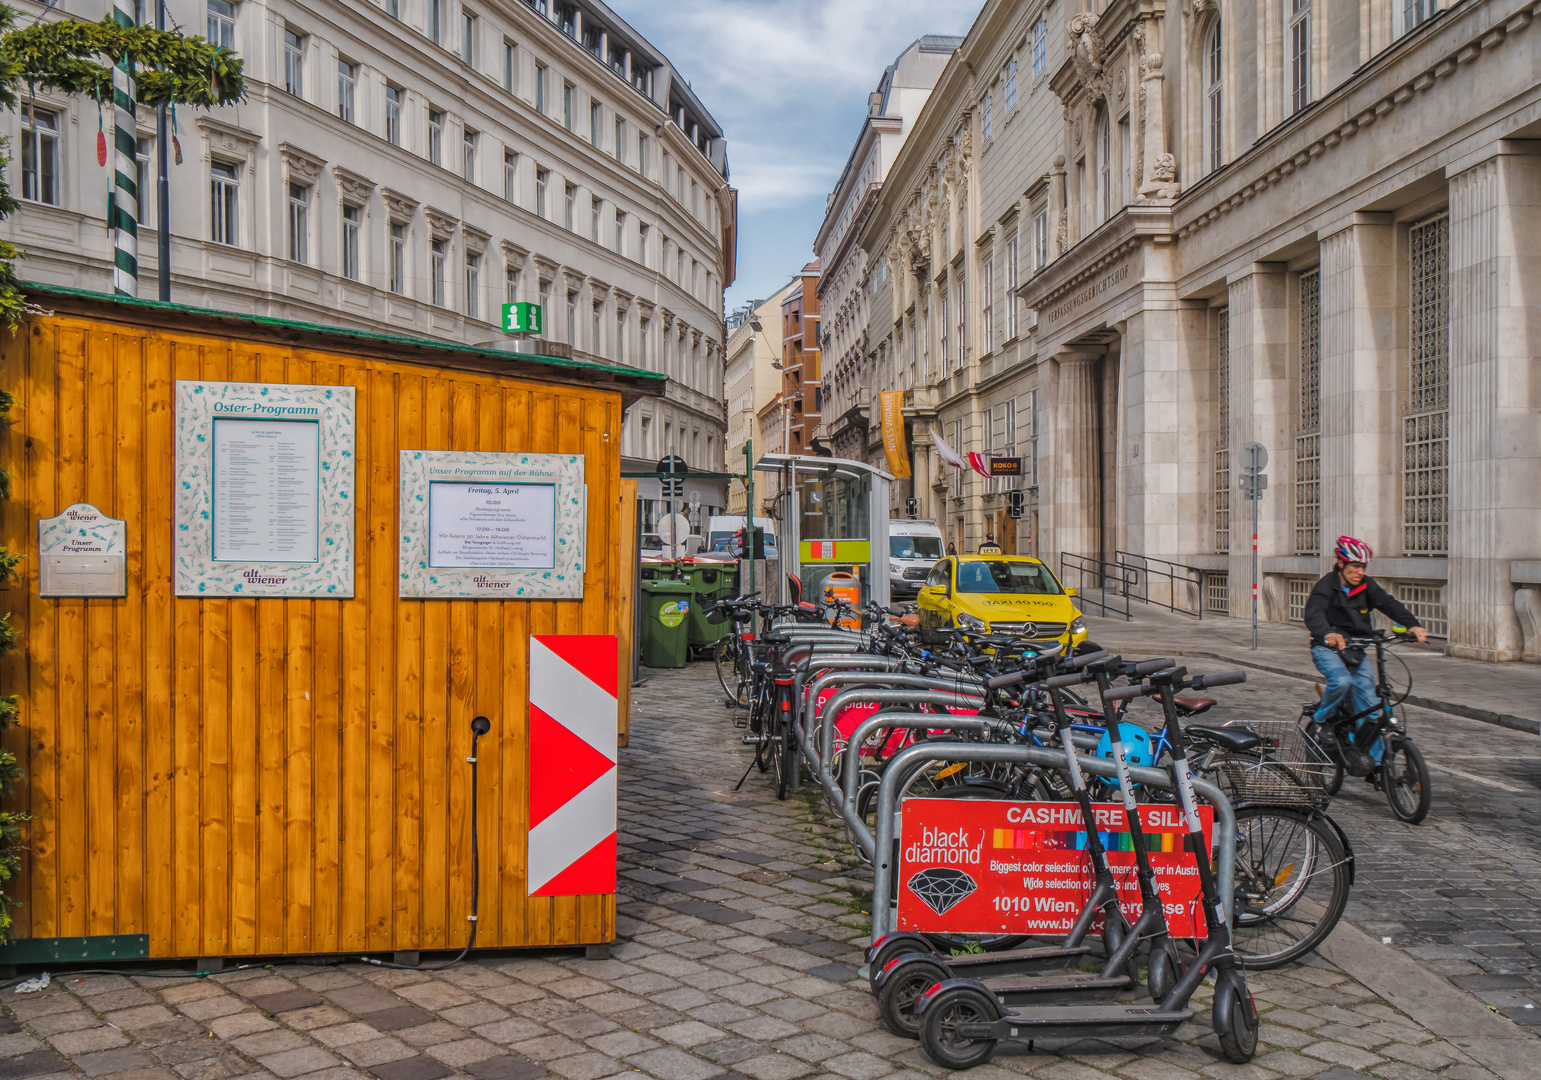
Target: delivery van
{"x": 914, "y": 546}
{"x": 722, "y": 534}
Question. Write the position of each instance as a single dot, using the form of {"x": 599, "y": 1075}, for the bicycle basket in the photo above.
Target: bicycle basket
{"x": 1288, "y": 769}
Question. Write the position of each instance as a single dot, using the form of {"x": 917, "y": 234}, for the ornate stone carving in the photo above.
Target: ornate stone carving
{"x": 401, "y": 207}
{"x": 227, "y": 140}
{"x": 354, "y": 188}
{"x": 475, "y": 239}
{"x": 301, "y": 166}
{"x": 1123, "y": 83}
{"x": 440, "y": 223}
{"x": 516, "y": 255}
{"x": 1194, "y": 8}
{"x": 546, "y": 268}
{"x": 1090, "y": 54}
{"x": 1163, "y": 179}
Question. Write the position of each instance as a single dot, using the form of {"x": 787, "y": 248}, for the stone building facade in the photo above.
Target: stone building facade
{"x": 410, "y": 166}
{"x": 753, "y": 382}
{"x": 1309, "y": 226}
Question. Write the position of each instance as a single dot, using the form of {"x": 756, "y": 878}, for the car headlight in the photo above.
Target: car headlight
{"x": 970, "y": 622}
{"x": 895, "y": 568}
{"x": 1078, "y": 625}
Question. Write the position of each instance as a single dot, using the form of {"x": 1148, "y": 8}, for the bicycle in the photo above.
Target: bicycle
{"x": 1374, "y": 743}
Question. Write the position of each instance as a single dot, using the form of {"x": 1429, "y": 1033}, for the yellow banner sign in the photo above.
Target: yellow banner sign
{"x": 890, "y": 405}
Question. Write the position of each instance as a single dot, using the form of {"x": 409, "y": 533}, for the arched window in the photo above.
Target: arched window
{"x": 1298, "y": 62}
{"x": 1105, "y": 164}
{"x": 1214, "y": 113}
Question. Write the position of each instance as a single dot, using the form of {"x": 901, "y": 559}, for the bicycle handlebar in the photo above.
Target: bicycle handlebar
{"x": 1073, "y": 679}
{"x": 1090, "y": 658}
{"x": 1224, "y": 678}
{"x": 1150, "y": 667}
{"x": 1008, "y": 679}
{"x": 1123, "y": 693}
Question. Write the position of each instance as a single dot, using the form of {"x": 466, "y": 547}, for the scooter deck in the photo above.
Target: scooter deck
{"x": 1078, "y": 1021}
{"x": 1010, "y": 961}
{"x": 1054, "y": 987}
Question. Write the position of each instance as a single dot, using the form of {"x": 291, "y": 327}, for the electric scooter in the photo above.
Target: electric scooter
{"x": 962, "y": 1020}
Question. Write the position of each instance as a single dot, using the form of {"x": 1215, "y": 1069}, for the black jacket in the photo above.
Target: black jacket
{"x": 1329, "y": 609}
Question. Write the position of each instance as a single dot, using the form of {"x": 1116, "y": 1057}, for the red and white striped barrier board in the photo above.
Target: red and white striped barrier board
{"x": 573, "y": 733}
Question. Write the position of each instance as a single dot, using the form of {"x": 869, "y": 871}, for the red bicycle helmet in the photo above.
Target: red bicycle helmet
{"x": 1350, "y": 550}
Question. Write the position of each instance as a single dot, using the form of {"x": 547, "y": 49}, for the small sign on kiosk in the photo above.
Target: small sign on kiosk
{"x": 81, "y": 553}
{"x": 521, "y": 318}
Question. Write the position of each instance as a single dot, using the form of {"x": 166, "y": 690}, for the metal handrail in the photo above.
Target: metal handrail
{"x": 911, "y": 758}
{"x": 1174, "y": 573}
{"x": 1101, "y": 571}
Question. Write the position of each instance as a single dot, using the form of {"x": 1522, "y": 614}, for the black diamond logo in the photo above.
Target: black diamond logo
{"x": 942, "y": 887}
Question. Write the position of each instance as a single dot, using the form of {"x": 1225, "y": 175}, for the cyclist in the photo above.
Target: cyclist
{"x": 1339, "y": 607}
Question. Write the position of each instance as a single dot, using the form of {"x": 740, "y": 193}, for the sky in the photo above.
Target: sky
{"x": 788, "y": 81}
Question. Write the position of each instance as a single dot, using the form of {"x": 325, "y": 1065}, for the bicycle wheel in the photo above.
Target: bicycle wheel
{"x": 725, "y": 659}
{"x": 1405, "y": 777}
{"x": 1292, "y": 882}
{"x": 787, "y": 753}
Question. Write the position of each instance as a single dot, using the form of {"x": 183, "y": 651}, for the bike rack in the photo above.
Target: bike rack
{"x": 835, "y": 663}
{"x": 911, "y": 757}
{"x": 899, "y": 696}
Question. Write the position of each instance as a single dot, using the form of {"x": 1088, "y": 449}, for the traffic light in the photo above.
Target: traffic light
{"x": 1016, "y": 503}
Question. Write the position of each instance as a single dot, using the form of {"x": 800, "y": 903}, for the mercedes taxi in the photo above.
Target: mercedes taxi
{"x": 1000, "y": 594}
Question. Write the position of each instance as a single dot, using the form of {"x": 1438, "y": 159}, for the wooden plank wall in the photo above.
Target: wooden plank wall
{"x": 626, "y": 614}
{"x": 267, "y": 776}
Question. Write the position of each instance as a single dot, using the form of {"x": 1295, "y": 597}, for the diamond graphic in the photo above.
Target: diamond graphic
{"x": 942, "y": 887}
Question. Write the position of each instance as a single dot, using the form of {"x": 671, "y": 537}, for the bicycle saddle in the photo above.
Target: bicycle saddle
{"x": 1235, "y": 739}
{"x": 1192, "y": 706}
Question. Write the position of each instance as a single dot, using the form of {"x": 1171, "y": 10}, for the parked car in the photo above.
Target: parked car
{"x": 1002, "y": 594}
{"x": 914, "y": 546}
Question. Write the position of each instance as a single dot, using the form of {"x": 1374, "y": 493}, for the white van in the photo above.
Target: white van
{"x": 722, "y": 533}
{"x": 914, "y": 546}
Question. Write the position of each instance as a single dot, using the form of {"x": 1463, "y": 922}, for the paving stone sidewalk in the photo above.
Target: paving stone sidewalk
{"x": 741, "y": 927}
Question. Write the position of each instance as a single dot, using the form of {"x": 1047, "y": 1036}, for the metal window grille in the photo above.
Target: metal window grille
{"x": 1217, "y": 593}
{"x": 1223, "y": 432}
{"x": 1426, "y": 600}
{"x": 1308, "y": 420}
{"x": 1425, "y": 433}
{"x": 1299, "y": 593}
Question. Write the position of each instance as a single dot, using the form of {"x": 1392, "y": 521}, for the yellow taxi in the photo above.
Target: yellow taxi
{"x": 1000, "y": 594}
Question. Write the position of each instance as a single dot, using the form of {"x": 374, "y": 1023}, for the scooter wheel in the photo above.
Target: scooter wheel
{"x": 1164, "y": 970}
{"x": 945, "y": 1013}
{"x": 894, "y": 945}
{"x": 1113, "y": 934}
{"x": 902, "y": 988}
{"x": 1235, "y": 1021}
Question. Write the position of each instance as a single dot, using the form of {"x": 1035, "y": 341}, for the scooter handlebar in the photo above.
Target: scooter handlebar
{"x": 1123, "y": 693}
{"x": 1150, "y": 667}
{"x": 1011, "y": 678}
{"x": 1090, "y": 658}
{"x": 1224, "y": 678}
{"x": 1073, "y": 679}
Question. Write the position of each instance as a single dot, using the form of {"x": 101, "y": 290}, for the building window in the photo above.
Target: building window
{"x": 510, "y": 284}
{"x": 508, "y": 66}
{"x": 595, "y": 314}
{"x": 572, "y": 319}
{"x": 1105, "y": 165}
{"x": 946, "y": 342}
{"x": 594, "y": 207}
{"x": 393, "y": 8}
{"x": 435, "y": 136}
{"x": 1011, "y": 85}
{"x": 468, "y": 154}
{"x": 642, "y": 148}
{"x": 1001, "y": 440}
{"x": 1300, "y": 54}
{"x": 960, "y": 329}
{"x": 1425, "y": 432}
{"x": 1308, "y": 420}
{"x": 620, "y": 232}
{"x": 352, "y": 220}
{"x": 398, "y": 258}
{"x": 225, "y": 200}
{"x": 142, "y": 178}
{"x": 1041, "y": 239}
{"x": 540, "y": 89}
{"x": 1214, "y": 112}
{"x": 435, "y": 20}
{"x": 1222, "y": 452}
{"x": 1032, "y": 437}
{"x": 1125, "y": 164}
{"x": 1040, "y": 48}
{"x": 596, "y": 116}
{"x": 643, "y": 326}
{"x": 221, "y": 24}
{"x": 984, "y": 120}
{"x": 569, "y": 200}
{"x": 294, "y": 63}
{"x": 1416, "y": 12}
{"x": 620, "y": 140}
{"x": 545, "y": 302}
{"x": 347, "y": 84}
{"x": 393, "y": 115}
{"x": 473, "y": 286}
{"x": 299, "y": 223}
{"x": 541, "y": 177}
{"x": 987, "y": 307}
{"x": 567, "y": 105}
{"x": 620, "y": 337}
{"x": 438, "y": 251}
{"x": 1011, "y": 288}
{"x": 643, "y": 232}
{"x": 511, "y": 176}
{"x": 468, "y": 37}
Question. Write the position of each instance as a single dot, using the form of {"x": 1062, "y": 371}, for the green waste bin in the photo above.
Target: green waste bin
{"x": 666, "y": 623}
{"x": 712, "y": 581}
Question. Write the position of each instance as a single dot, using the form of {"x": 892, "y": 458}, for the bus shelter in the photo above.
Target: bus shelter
{"x": 833, "y": 518}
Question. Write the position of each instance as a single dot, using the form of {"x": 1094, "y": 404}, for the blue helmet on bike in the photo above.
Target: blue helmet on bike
{"x": 1139, "y": 749}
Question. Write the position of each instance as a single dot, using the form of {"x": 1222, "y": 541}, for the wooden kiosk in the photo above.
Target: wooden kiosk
{"x": 219, "y": 767}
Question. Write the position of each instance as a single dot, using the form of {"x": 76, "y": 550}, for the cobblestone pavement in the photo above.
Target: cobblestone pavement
{"x": 741, "y": 925}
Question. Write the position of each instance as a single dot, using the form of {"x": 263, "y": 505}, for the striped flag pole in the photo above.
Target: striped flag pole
{"x": 124, "y": 207}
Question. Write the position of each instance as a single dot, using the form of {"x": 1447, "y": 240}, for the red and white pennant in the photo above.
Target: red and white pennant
{"x": 573, "y": 732}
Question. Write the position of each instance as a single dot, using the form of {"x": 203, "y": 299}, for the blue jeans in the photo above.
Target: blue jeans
{"x": 1358, "y": 685}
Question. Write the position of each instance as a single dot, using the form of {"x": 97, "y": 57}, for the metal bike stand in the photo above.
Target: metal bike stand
{"x": 850, "y": 679}
{"x": 910, "y": 758}
{"x": 834, "y": 662}
{"x": 923, "y": 721}
{"x": 899, "y": 696}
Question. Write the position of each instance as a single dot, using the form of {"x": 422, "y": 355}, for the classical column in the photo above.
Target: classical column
{"x": 1057, "y": 219}
{"x": 1076, "y": 460}
{"x": 1260, "y": 412}
{"x": 1152, "y": 87}
{"x": 920, "y": 470}
{"x": 1361, "y": 308}
{"x": 1494, "y": 427}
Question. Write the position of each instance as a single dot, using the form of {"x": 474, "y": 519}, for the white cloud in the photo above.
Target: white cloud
{"x": 788, "y": 81}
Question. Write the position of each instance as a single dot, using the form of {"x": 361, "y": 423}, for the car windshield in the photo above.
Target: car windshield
{"x": 728, "y": 541}
{"x": 915, "y": 547}
{"x": 1005, "y": 577}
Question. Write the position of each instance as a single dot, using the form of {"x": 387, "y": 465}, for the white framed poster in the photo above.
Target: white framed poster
{"x": 264, "y": 489}
{"x": 492, "y": 526}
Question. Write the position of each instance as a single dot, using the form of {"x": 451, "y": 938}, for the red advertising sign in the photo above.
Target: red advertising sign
{"x": 992, "y": 867}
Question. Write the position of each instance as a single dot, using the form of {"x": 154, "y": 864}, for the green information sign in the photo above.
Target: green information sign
{"x": 521, "y": 318}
